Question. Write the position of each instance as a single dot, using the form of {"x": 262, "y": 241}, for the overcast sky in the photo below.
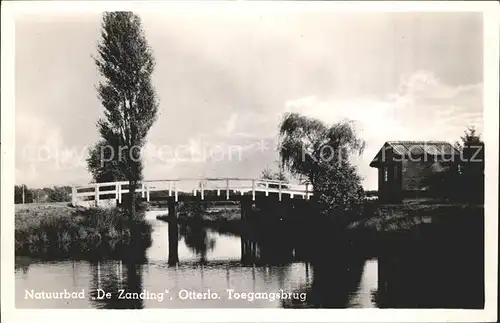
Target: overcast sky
{"x": 224, "y": 82}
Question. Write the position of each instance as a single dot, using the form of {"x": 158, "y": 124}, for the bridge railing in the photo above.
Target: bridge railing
{"x": 223, "y": 187}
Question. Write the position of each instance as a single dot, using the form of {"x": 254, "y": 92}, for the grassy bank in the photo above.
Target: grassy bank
{"x": 433, "y": 226}
{"x": 412, "y": 216}
{"x": 61, "y": 231}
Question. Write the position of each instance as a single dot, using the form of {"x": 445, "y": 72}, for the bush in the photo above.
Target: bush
{"x": 59, "y": 194}
{"x": 338, "y": 190}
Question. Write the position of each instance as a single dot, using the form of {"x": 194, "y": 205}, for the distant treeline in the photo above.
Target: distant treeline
{"x": 41, "y": 195}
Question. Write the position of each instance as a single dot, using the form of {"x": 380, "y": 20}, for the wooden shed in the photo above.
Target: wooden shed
{"x": 403, "y": 167}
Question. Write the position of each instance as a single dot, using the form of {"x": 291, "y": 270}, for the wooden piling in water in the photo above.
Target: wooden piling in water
{"x": 246, "y": 208}
{"x": 173, "y": 233}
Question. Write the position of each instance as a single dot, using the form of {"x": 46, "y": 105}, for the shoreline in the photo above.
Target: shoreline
{"x": 383, "y": 218}
{"x": 60, "y": 231}
{"x": 424, "y": 223}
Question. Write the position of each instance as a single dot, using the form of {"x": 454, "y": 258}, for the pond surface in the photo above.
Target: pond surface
{"x": 214, "y": 270}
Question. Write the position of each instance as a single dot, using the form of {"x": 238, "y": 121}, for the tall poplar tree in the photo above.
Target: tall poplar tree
{"x": 126, "y": 62}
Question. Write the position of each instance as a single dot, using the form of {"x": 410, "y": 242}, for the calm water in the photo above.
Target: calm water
{"x": 208, "y": 262}
{"x": 213, "y": 263}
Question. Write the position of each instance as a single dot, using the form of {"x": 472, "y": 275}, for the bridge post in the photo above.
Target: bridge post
{"x": 142, "y": 190}
{"x": 119, "y": 192}
{"x": 147, "y": 193}
{"x": 243, "y": 250}
{"x": 172, "y": 209}
{"x": 246, "y": 208}
{"x": 248, "y": 251}
{"x": 73, "y": 196}
{"x": 116, "y": 193}
{"x": 253, "y": 190}
{"x": 96, "y": 194}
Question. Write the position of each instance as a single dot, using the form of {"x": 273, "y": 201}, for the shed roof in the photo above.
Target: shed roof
{"x": 416, "y": 149}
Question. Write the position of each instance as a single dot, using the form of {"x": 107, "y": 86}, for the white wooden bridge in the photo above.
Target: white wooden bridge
{"x": 108, "y": 194}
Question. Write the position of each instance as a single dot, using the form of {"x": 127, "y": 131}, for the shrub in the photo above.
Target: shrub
{"x": 339, "y": 192}
{"x": 59, "y": 194}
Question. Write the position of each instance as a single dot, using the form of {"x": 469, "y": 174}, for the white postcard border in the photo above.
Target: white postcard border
{"x": 491, "y": 16}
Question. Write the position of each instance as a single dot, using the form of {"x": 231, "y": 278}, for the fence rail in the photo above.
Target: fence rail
{"x": 223, "y": 187}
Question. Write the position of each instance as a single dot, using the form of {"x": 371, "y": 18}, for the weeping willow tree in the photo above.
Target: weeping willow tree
{"x": 126, "y": 63}
{"x": 320, "y": 154}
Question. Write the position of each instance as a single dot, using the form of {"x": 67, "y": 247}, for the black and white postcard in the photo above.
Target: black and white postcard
{"x": 249, "y": 161}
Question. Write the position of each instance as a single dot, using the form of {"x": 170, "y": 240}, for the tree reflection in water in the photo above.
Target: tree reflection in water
{"x": 173, "y": 242}
{"x": 113, "y": 276}
{"x": 22, "y": 263}
{"x": 198, "y": 240}
{"x": 335, "y": 280}
{"x": 441, "y": 274}
{"x": 444, "y": 271}
{"x": 335, "y": 274}
{"x": 265, "y": 253}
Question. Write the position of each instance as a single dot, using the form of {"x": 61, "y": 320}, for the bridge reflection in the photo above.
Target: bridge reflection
{"x": 444, "y": 273}
{"x": 259, "y": 253}
{"x": 253, "y": 252}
